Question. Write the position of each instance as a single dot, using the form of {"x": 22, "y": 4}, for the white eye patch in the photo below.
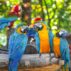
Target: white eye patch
{"x": 60, "y": 33}
{"x": 23, "y": 28}
{"x": 38, "y": 25}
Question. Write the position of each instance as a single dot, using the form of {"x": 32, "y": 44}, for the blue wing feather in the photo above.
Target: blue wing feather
{"x": 64, "y": 49}
{"x": 51, "y": 36}
{"x": 17, "y": 46}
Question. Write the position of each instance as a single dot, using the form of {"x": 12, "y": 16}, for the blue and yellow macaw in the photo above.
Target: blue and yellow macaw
{"x": 17, "y": 45}
{"x": 61, "y": 49}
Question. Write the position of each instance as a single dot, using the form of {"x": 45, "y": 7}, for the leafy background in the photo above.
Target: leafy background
{"x": 55, "y": 13}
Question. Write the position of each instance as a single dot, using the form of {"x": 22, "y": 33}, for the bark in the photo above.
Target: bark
{"x": 26, "y": 11}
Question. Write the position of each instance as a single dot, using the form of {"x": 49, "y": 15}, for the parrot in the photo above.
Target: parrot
{"x": 43, "y": 34}
{"x": 61, "y": 49}
{"x": 32, "y": 33}
{"x": 16, "y": 48}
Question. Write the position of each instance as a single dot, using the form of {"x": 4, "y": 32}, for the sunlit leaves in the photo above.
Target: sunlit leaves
{"x": 51, "y": 14}
{"x": 3, "y": 38}
{"x": 3, "y": 7}
{"x": 59, "y": 3}
{"x": 33, "y": 7}
{"x": 46, "y": 17}
{"x": 48, "y": 2}
{"x": 53, "y": 6}
{"x": 50, "y": 10}
{"x": 14, "y": 1}
{"x": 57, "y": 12}
{"x": 8, "y": 3}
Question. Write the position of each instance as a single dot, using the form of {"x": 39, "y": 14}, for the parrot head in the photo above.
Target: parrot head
{"x": 37, "y": 23}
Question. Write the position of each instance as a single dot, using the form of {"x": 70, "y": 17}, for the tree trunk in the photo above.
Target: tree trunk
{"x": 26, "y": 11}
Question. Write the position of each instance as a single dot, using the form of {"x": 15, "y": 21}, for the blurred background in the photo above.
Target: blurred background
{"x": 56, "y": 14}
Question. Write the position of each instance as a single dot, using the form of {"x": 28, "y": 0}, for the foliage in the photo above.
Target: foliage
{"x": 55, "y": 13}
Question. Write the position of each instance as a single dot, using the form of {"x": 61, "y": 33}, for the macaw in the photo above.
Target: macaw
{"x": 17, "y": 46}
{"x": 7, "y": 22}
{"x": 45, "y": 36}
{"x": 61, "y": 49}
